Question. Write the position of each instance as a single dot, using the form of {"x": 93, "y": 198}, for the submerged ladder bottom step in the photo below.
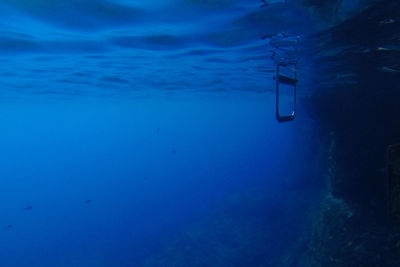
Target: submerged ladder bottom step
{"x": 287, "y": 80}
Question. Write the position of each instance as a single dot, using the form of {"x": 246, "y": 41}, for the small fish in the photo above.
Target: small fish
{"x": 387, "y": 21}
{"x": 157, "y": 130}
{"x": 173, "y": 151}
{"x": 388, "y": 48}
{"x": 392, "y": 69}
{"x": 268, "y": 36}
{"x": 28, "y": 208}
{"x": 88, "y": 201}
{"x": 382, "y": 49}
{"x": 9, "y": 226}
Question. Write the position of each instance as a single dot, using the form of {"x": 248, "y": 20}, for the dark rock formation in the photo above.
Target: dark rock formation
{"x": 357, "y": 104}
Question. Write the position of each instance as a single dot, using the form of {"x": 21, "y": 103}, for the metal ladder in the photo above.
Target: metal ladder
{"x": 288, "y": 81}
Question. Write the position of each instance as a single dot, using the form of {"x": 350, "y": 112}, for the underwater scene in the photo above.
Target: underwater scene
{"x": 199, "y": 133}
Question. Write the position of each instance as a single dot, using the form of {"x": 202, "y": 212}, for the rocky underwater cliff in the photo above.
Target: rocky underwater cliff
{"x": 356, "y": 103}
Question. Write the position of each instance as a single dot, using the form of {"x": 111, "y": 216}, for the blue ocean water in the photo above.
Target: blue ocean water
{"x": 143, "y": 133}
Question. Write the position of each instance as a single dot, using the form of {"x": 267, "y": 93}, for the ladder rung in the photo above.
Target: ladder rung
{"x": 287, "y": 80}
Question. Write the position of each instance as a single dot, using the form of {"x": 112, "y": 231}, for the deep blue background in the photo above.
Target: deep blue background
{"x": 145, "y": 184}
{"x": 158, "y": 112}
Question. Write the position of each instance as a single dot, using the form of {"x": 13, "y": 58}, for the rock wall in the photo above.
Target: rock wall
{"x": 357, "y": 104}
